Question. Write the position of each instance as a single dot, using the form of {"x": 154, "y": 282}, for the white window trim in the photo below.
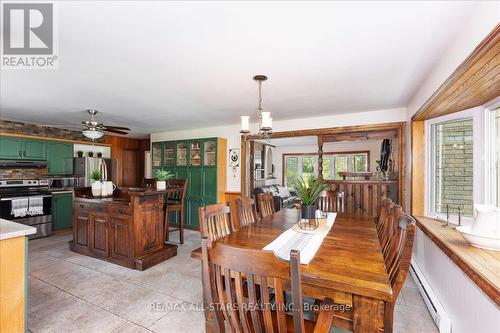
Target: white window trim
{"x": 477, "y": 114}
{"x": 489, "y": 167}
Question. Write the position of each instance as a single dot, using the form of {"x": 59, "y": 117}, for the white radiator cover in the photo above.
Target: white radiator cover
{"x": 465, "y": 304}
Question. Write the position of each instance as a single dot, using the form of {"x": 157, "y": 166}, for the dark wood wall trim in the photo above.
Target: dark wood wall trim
{"x": 398, "y": 127}
{"x": 475, "y": 82}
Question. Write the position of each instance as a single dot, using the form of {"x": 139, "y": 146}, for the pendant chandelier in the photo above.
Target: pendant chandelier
{"x": 265, "y": 120}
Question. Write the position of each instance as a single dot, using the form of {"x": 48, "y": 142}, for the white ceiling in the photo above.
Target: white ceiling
{"x": 159, "y": 66}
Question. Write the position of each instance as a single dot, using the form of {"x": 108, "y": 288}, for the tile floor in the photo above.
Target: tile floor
{"x": 69, "y": 292}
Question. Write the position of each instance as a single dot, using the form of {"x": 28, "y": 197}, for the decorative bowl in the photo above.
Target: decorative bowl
{"x": 483, "y": 242}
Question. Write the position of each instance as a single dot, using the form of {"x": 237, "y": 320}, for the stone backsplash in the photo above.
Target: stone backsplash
{"x": 22, "y": 173}
{"x": 7, "y": 126}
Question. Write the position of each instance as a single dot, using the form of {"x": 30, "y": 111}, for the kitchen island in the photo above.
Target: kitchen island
{"x": 126, "y": 229}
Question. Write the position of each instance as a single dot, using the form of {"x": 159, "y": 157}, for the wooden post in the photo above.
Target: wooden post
{"x": 320, "y": 157}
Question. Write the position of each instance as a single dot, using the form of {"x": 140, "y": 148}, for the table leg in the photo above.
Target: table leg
{"x": 368, "y": 314}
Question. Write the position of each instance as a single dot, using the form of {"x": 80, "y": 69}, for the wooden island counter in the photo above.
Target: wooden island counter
{"x": 126, "y": 229}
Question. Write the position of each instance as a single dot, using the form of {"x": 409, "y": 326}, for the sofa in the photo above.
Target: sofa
{"x": 283, "y": 197}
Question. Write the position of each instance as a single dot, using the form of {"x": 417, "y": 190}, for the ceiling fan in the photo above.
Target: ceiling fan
{"x": 93, "y": 129}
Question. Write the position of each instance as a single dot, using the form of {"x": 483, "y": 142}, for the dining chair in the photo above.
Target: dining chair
{"x": 384, "y": 210}
{"x": 215, "y": 221}
{"x": 266, "y": 204}
{"x": 331, "y": 201}
{"x": 246, "y": 287}
{"x": 148, "y": 182}
{"x": 247, "y": 213}
{"x": 175, "y": 201}
{"x": 398, "y": 262}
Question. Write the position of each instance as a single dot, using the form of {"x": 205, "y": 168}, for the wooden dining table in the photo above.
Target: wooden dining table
{"x": 348, "y": 267}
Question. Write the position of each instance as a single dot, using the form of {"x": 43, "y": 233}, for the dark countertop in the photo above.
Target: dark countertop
{"x": 121, "y": 196}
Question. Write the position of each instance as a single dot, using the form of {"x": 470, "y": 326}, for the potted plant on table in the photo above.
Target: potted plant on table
{"x": 308, "y": 190}
{"x": 96, "y": 176}
{"x": 162, "y": 176}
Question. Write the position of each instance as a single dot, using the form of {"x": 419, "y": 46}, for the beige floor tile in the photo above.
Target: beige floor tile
{"x": 129, "y": 327}
{"x": 148, "y": 308}
{"x": 190, "y": 291}
{"x": 186, "y": 321}
{"x": 41, "y": 294}
{"x": 167, "y": 283}
{"x": 413, "y": 319}
{"x": 91, "y": 287}
{"x": 117, "y": 295}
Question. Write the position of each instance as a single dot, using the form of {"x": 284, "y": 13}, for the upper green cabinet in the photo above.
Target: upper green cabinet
{"x": 35, "y": 150}
{"x": 11, "y": 148}
{"x": 157, "y": 155}
{"x": 19, "y": 148}
{"x": 59, "y": 158}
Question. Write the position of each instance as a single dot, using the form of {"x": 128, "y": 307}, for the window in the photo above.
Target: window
{"x": 452, "y": 166}
{"x": 333, "y": 163}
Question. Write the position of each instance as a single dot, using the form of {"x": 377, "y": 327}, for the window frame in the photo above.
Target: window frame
{"x": 315, "y": 156}
{"x": 490, "y": 167}
{"x": 478, "y": 139}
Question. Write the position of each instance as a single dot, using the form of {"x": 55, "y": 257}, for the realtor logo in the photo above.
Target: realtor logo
{"x": 28, "y": 35}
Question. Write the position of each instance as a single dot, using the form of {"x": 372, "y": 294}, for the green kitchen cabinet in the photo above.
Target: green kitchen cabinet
{"x": 19, "y": 148}
{"x": 11, "y": 148}
{"x": 34, "y": 149}
{"x": 157, "y": 155}
{"x": 203, "y": 163}
{"x": 59, "y": 158}
{"x": 62, "y": 210}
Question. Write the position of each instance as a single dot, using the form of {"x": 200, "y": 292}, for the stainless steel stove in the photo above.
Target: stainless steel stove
{"x": 19, "y": 191}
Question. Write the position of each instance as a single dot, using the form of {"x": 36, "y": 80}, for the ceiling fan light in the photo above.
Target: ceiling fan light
{"x": 93, "y": 134}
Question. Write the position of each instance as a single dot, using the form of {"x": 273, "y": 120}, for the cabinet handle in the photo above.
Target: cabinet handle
{"x": 24, "y": 153}
{"x": 20, "y": 154}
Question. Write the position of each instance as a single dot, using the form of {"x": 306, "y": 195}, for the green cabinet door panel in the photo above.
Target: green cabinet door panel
{"x": 34, "y": 149}
{"x": 195, "y": 184}
{"x": 60, "y": 158}
{"x": 193, "y": 205}
{"x": 62, "y": 210}
{"x": 11, "y": 148}
{"x": 210, "y": 182}
{"x": 181, "y": 173}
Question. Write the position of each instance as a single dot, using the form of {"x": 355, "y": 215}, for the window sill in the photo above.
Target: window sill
{"x": 481, "y": 266}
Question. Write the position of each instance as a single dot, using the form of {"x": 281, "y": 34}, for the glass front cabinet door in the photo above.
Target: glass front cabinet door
{"x": 195, "y": 153}
{"x": 210, "y": 153}
{"x": 182, "y": 151}
{"x": 169, "y": 155}
{"x": 156, "y": 155}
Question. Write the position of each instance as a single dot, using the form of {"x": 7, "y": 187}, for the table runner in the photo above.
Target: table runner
{"x": 306, "y": 242}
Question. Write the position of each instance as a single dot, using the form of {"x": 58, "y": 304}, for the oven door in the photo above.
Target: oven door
{"x": 42, "y": 222}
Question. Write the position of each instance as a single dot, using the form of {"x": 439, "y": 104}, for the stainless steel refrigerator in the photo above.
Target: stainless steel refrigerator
{"x": 83, "y": 167}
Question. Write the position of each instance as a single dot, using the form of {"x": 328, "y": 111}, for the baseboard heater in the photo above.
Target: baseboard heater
{"x": 435, "y": 308}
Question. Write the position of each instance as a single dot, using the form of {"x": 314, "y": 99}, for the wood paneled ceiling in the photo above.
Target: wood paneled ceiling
{"x": 475, "y": 82}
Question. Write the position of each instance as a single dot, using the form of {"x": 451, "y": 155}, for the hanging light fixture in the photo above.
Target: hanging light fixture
{"x": 265, "y": 120}
{"x": 92, "y": 133}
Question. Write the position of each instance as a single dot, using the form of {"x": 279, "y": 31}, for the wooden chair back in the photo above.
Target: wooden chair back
{"x": 331, "y": 201}
{"x": 385, "y": 204}
{"x": 266, "y": 204}
{"x": 242, "y": 283}
{"x": 247, "y": 213}
{"x": 148, "y": 182}
{"x": 397, "y": 259}
{"x": 179, "y": 195}
{"x": 215, "y": 222}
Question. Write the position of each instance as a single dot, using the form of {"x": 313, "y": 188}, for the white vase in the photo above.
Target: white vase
{"x": 486, "y": 221}
{"x": 161, "y": 184}
{"x": 96, "y": 189}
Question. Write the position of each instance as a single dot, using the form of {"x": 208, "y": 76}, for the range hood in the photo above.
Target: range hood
{"x": 22, "y": 164}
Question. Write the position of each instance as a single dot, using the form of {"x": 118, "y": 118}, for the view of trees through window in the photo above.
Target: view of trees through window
{"x": 307, "y": 165}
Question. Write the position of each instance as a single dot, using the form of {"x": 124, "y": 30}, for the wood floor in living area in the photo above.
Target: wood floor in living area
{"x": 69, "y": 292}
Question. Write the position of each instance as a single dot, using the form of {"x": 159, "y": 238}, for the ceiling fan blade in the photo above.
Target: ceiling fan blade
{"x": 117, "y": 127}
{"x": 114, "y": 131}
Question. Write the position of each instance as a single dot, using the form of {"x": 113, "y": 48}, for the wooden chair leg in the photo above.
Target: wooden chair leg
{"x": 389, "y": 317}
{"x": 166, "y": 225}
{"x": 181, "y": 227}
